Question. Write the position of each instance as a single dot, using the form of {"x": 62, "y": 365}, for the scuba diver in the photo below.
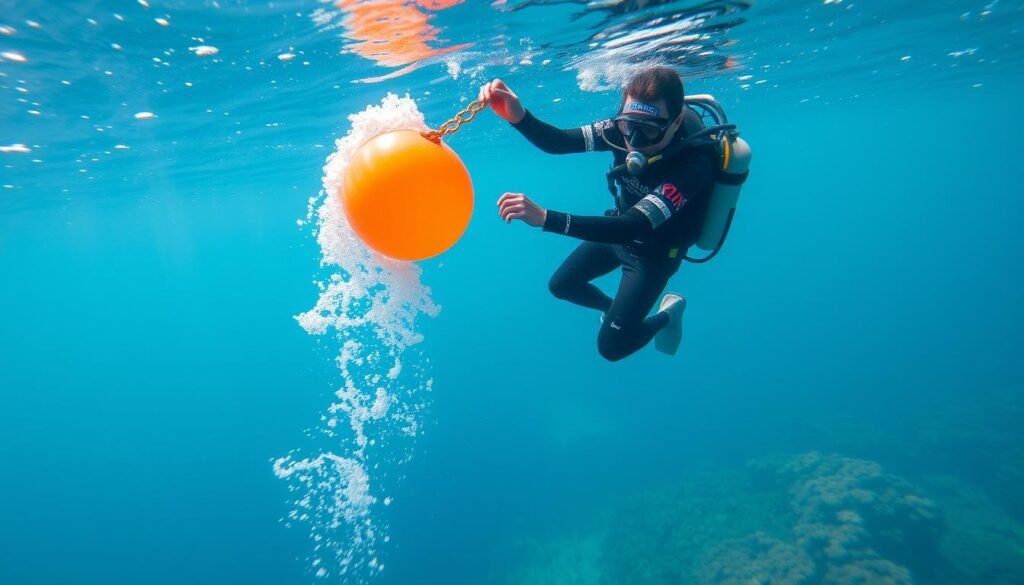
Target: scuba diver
{"x": 662, "y": 184}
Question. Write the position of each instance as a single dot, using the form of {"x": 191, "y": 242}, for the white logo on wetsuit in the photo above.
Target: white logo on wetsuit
{"x": 632, "y": 184}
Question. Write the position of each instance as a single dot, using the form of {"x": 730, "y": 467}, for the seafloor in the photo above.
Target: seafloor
{"x": 812, "y": 517}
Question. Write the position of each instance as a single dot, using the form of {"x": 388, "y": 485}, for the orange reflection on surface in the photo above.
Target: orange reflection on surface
{"x": 394, "y": 33}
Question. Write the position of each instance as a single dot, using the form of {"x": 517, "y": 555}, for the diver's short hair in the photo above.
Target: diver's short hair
{"x": 657, "y": 82}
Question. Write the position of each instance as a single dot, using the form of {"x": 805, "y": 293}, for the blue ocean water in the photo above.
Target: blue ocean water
{"x": 203, "y": 380}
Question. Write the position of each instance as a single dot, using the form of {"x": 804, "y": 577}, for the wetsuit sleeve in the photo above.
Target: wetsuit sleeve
{"x": 554, "y": 140}
{"x": 693, "y": 180}
{"x": 615, "y": 229}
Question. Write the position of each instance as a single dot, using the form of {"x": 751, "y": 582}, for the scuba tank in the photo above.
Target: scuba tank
{"x": 734, "y": 153}
{"x": 706, "y": 126}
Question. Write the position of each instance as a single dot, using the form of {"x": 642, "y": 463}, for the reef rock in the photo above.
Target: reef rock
{"x": 757, "y": 560}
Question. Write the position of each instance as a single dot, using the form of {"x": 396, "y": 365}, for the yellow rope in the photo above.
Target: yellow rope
{"x": 452, "y": 126}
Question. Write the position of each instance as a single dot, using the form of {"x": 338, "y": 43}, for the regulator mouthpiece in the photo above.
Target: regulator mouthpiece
{"x": 636, "y": 163}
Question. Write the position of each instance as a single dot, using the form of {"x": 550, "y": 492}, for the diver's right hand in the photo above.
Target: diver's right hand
{"x": 503, "y": 101}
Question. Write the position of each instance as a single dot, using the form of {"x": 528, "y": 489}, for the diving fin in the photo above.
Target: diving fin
{"x": 667, "y": 340}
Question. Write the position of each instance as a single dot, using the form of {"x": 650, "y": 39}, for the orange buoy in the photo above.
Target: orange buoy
{"x": 407, "y": 197}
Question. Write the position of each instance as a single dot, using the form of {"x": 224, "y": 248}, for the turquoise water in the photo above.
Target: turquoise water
{"x": 844, "y": 408}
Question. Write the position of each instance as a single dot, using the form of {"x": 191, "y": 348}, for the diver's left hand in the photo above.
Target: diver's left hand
{"x": 518, "y": 206}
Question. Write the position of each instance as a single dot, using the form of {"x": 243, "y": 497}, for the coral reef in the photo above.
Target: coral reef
{"x": 662, "y": 537}
{"x": 868, "y": 572}
{"x": 974, "y": 435}
{"x": 756, "y": 560}
{"x": 848, "y": 509}
{"x": 812, "y": 518}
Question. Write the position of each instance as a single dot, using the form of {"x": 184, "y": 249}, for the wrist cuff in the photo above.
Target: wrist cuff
{"x": 527, "y": 119}
{"x": 558, "y": 222}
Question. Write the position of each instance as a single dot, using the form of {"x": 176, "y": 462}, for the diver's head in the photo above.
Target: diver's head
{"x": 651, "y": 110}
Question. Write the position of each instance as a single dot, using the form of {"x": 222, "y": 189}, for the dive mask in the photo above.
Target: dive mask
{"x": 641, "y": 130}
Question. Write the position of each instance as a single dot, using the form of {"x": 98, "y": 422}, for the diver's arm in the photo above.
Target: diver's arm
{"x": 664, "y": 202}
{"x": 615, "y": 229}
{"x": 500, "y": 97}
{"x": 550, "y": 139}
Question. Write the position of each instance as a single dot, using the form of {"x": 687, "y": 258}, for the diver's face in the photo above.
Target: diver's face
{"x": 645, "y": 126}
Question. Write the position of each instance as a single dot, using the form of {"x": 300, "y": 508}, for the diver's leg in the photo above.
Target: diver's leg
{"x": 627, "y": 327}
{"x": 571, "y": 282}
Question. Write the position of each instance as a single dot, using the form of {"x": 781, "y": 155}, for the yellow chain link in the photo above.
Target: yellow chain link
{"x": 452, "y": 126}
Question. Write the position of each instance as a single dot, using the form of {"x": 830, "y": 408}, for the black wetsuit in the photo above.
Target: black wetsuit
{"x": 656, "y": 218}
